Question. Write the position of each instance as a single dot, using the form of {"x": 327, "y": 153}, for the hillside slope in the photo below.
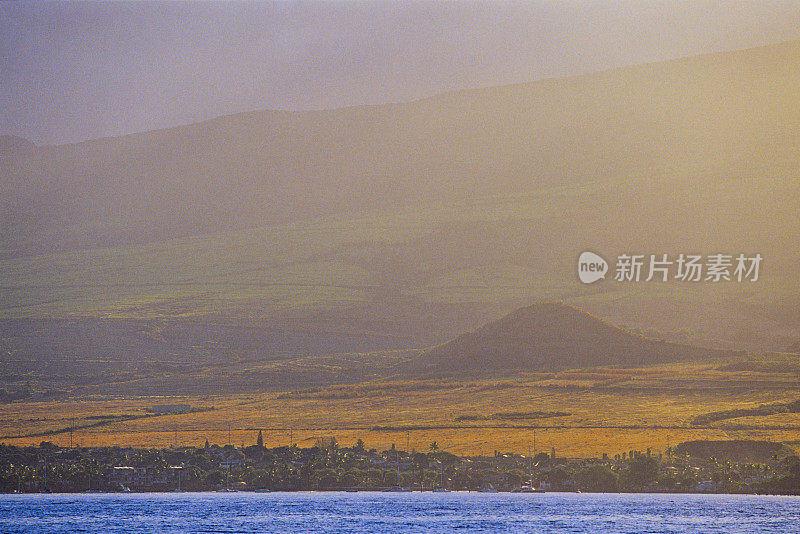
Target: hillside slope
{"x": 732, "y": 116}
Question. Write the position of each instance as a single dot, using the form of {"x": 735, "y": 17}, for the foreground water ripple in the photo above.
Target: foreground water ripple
{"x": 398, "y": 513}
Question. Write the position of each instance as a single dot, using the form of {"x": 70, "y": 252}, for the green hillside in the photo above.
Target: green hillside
{"x": 425, "y": 274}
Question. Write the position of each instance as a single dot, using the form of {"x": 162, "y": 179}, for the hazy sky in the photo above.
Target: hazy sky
{"x": 77, "y": 70}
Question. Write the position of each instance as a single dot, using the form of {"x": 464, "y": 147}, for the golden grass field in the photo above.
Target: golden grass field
{"x": 611, "y": 411}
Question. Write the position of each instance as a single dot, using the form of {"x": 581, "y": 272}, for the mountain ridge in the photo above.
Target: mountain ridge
{"x": 680, "y": 117}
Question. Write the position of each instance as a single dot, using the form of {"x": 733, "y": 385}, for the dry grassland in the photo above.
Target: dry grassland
{"x": 635, "y": 410}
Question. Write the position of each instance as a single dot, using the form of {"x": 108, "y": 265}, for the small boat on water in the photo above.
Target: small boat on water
{"x": 528, "y": 489}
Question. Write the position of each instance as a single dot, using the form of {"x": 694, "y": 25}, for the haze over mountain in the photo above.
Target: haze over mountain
{"x": 725, "y": 120}
{"x": 79, "y": 70}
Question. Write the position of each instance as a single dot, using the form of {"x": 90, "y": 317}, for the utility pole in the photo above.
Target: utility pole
{"x": 530, "y": 467}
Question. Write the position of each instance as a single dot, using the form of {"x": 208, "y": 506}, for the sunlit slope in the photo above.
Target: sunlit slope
{"x": 400, "y": 267}
{"x": 730, "y": 117}
{"x": 487, "y": 251}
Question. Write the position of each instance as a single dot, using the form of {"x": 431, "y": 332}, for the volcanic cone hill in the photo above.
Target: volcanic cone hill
{"x": 551, "y": 337}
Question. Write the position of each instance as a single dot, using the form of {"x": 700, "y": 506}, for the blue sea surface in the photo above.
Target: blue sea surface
{"x": 398, "y": 513}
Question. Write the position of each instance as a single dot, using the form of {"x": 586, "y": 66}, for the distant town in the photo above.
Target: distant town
{"x": 327, "y": 466}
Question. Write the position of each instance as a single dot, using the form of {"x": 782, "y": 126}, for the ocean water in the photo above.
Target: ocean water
{"x": 398, "y": 513}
